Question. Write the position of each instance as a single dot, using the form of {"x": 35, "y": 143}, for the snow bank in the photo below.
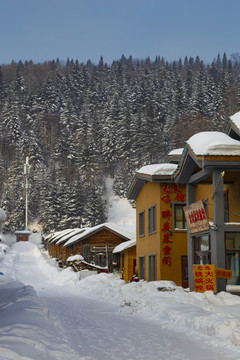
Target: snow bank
{"x": 27, "y": 329}
{"x": 217, "y": 316}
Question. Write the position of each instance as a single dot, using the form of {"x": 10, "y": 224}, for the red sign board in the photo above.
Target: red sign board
{"x": 223, "y": 274}
{"x": 204, "y": 278}
{"x": 196, "y": 217}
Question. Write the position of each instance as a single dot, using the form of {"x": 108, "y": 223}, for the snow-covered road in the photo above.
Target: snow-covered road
{"x": 90, "y": 326}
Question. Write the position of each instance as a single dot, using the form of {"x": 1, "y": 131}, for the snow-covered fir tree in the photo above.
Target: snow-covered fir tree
{"x": 80, "y": 123}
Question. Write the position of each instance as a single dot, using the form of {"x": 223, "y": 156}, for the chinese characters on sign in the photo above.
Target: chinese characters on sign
{"x": 223, "y": 274}
{"x": 170, "y": 193}
{"x": 204, "y": 278}
{"x": 196, "y": 217}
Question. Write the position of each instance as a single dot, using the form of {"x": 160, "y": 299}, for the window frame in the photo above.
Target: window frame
{"x": 152, "y": 219}
{"x": 200, "y": 254}
{"x": 141, "y": 267}
{"x": 152, "y": 267}
{"x": 141, "y": 230}
{"x": 149, "y": 220}
{"x": 149, "y": 267}
{"x": 184, "y": 222}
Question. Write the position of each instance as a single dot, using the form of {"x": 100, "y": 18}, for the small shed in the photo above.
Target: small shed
{"x": 127, "y": 259}
{"x": 22, "y": 235}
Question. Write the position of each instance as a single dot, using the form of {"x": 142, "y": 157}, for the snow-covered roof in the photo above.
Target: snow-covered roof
{"x": 57, "y": 235}
{"x": 69, "y": 235}
{"x": 214, "y": 143}
{"x": 111, "y": 226}
{"x": 176, "y": 152}
{"x": 236, "y": 119}
{"x": 125, "y": 245}
{"x": 158, "y": 169}
{"x": 22, "y": 232}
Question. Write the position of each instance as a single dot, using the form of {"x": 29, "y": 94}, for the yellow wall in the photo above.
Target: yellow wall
{"x": 148, "y": 244}
{"x": 231, "y": 186}
{"x": 152, "y": 244}
{"x": 233, "y": 191}
{"x": 129, "y": 261}
{"x": 204, "y": 192}
{"x": 172, "y": 269}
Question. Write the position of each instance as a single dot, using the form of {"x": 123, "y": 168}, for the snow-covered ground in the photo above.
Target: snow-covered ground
{"x": 48, "y": 313}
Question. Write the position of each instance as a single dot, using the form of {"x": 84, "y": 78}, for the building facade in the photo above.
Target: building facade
{"x": 161, "y": 234}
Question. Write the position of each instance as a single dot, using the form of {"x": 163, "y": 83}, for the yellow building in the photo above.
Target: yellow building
{"x": 210, "y": 169}
{"x": 206, "y": 171}
{"x": 161, "y": 237}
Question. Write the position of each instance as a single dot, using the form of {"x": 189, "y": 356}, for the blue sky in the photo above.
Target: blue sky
{"x": 40, "y": 30}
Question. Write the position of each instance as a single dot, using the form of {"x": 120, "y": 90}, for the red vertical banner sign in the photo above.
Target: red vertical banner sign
{"x": 169, "y": 193}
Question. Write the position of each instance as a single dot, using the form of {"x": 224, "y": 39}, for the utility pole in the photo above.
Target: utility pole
{"x": 26, "y": 187}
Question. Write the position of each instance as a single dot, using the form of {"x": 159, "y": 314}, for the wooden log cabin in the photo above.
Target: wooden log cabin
{"x": 95, "y": 244}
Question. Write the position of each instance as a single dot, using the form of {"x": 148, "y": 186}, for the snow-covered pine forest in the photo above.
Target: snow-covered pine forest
{"x": 80, "y": 123}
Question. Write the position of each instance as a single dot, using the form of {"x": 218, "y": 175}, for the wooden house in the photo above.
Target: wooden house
{"x": 22, "y": 235}
{"x": 51, "y": 239}
{"x": 161, "y": 232}
{"x": 126, "y": 262}
{"x": 95, "y": 244}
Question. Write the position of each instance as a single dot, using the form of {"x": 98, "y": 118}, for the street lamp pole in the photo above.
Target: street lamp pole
{"x": 26, "y": 186}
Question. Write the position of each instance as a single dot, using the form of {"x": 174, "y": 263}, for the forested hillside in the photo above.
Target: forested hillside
{"x": 79, "y": 123}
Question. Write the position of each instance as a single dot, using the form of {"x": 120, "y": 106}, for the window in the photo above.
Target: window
{"x": 122, "y": 261}
{"x": 151, "y": 267}
{"x": 184, "y": 263}
{"x": 226, "y": 206}
{"x": 233, "y": 257}
{"x": 179, "y": 217}
{"x": 141, "y": 223}
{"x": 154, "y": 267}
{"x": 141, "y": 267}
{"x": 151, "y": 219}
{"x": 202, "y": 250}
